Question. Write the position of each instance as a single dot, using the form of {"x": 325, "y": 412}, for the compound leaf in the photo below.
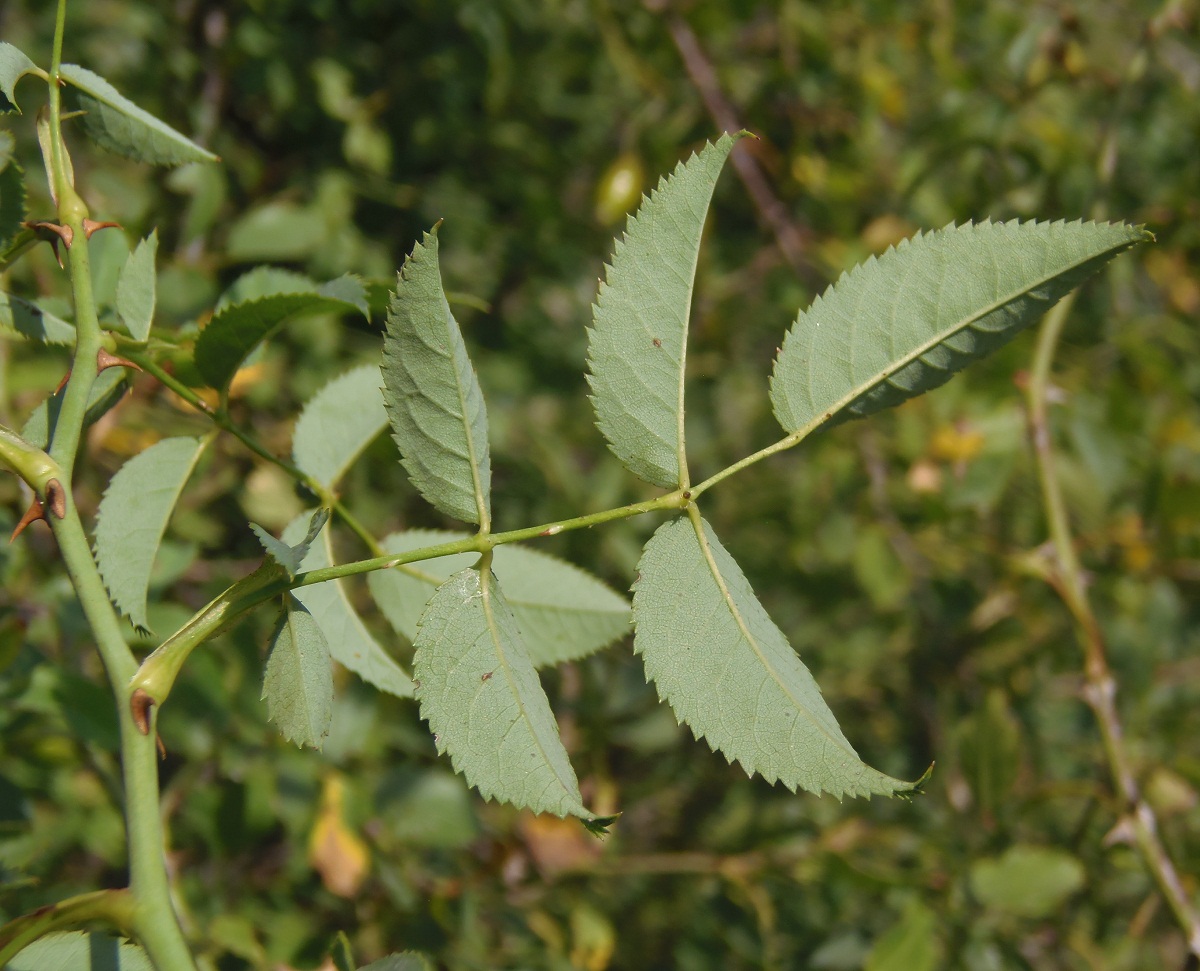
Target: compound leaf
{"x": 237, "y": 328}
{"x": 298, "y": 684}
{"x": 350, "y": 643}
{"x": 78, "y": 951}
{"x": 27, "y": 319}
{"x": 637, "y": 346}
{"x": 563, "y": 612}
{"x": 14, "y": 65}
{"x": 481, "y": 696}
{"x": 117, "y": 124}
{"x": 902, "y": 324}
{"x": 337, "y": 423}
{"x": 433, "y": 398}
{"x": 136, "y": 288}
{"x": 729, "y": 673}
{"x": 133, "y": 516}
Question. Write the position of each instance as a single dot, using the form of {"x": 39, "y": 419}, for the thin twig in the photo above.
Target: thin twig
{"x": 221, "y": 419}
{"x": 1137, "y": 818}
{"x": 793, "y": 241}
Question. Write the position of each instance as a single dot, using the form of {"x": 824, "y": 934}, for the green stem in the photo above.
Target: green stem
{"x": 153, "y": 919}
{"x": 789, "y": 441}
{"x": 57, "y": 154}
{"x": 157, "y": 674}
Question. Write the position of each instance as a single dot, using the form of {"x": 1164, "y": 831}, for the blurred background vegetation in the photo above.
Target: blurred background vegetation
{"x": 902, "y": 555}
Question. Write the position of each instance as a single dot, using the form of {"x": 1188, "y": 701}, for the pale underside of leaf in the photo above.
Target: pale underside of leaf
{"x": 14, "y": 64}
{"x": 236, "y": 329}
{"x": 349, "y": 641}
{"x": 289, "y": 555}
{"x": 637, "y": 345}
{"x": 27, "y": 319}
{"x": 432, "y": 395}
{"x": 133, "y": 516}
{"x": 298, "y": 682}
{"x": 79, "y": 951}
{"x": 136, "y": 288}
{"x": 481, "y": 696}
{"x": 117, "y": 124}
{"x": 729, "y": 673}
{"x": 902, "y": 324}
{"x": 337, "y": 423}
{"x": 563, "y": 612}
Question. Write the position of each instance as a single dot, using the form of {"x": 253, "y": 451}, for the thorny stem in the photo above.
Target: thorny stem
{"x": 150, "y": 916}
{"x": 1067, "y": 576}
{"x": 1137, "y": 817}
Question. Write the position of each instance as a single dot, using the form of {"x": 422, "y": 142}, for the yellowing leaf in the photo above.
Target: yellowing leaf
{"x": 335, "y": 851}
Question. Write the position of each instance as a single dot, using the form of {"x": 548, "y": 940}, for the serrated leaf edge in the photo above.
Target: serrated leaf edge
{"x": 886, "y": 258}
{"x": 477, "y": 455}
{"x": 100, "y": 557}
{"x": 903, "y": 789}
{"x": 606, "y": 284}
{"x": 571, "y": 786}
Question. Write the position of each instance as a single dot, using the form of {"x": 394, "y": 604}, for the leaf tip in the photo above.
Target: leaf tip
{"x": 917, "y": 788}
{"x": 599, "y": 826}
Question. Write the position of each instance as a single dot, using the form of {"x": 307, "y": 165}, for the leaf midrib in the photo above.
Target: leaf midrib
{"x": 735, "y": 612}
{"x": 485, "y": 576}
{"x": 896, "y": 366}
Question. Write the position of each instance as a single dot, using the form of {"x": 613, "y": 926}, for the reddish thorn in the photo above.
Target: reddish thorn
{"x": 52, "y": 232}
{"x": 162, "y": 749}
{"x": 44, "y": 228}
{"x": 32, "y": 515}
{"x": 106, "y": 360}
{"x": 63, "y": 383}
{"x": 56, "y": 497}
{"x": 139, "y": 706}
{"x": 91, "y": 226}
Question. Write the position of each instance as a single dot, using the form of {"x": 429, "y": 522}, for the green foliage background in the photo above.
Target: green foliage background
{"x": 902, "y": 555}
